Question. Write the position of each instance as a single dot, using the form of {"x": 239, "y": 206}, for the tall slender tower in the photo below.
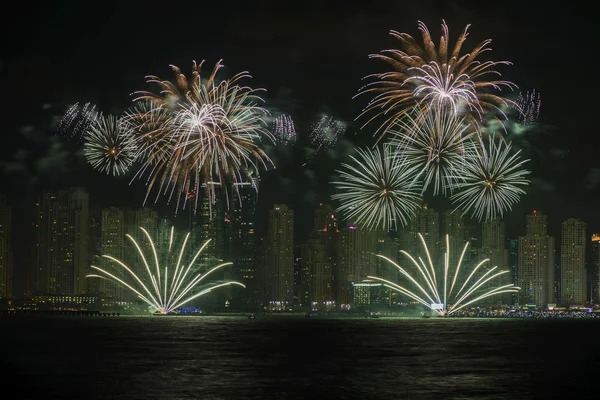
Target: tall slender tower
{"x": 572, "y": 263}
{"x": 536, "y": 262}
{"x": 60, "y": 259}
{"x": 112, "y": 243}
{"x": 594, "y": 270}
{"x": 280, "y": 257}
{"x": 241, "y": 246}
{"x": 5, "y": 249}
{"x": 318, "y": 274}
{"x": 493, "y": 248}
{"x": 356, "y": 260}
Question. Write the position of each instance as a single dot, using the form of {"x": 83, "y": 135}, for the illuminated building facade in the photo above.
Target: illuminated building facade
{"x": 536, "y": 262}
{"x": 573, "y": 277}
{"x": 240, "y": 226}
{"x": 280, "y": 258}
{"x": 60, "y": 237}
{"x": 112, "y": 243}
{"x": 318, "y": 274}
{"x": 356, "y": 260}
{"x": 368, "y": 293}
{"x": 493, "y": 248}
{"x": 5, "y": 250}
{"x": 594, "y": 270}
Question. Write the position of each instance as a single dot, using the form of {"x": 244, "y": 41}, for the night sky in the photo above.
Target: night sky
{"x": 311, "y": 59}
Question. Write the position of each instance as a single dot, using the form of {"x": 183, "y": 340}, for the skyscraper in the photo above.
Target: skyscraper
{"x": 572, "y": 263}
{"x": 327, "y": 233}
{"x": 356, "y": 260}
{"x": 594, "y": 270}
{"x": 536, "y": 262}
{"x": 242, "y": 242}
{"x": 320, "y": 278}
{"x": 60, "y": 255}
{"x": 5, "y": 249}
{"x": 280, "y": 257}
{"x": 210, "y": 224}
{"x": 112, "y": 243}
{"x": 493, "y": 248}
{"x": 513, "y": 262}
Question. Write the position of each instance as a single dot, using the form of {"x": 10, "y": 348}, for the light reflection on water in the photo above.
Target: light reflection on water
{"x": 296, "y": 358}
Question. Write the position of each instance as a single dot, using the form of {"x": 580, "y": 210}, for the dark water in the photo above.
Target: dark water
{"x": 297, "y": 358}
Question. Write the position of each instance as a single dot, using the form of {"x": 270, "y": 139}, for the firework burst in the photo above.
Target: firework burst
{"x": 434, "y": 147}
{"x": 528, "y": 106}
{"x": 284, "y": 130}
{"x": 199, "y": 130}
{"x": 492, "y": 180}
{"x": 165, "y": 288}
{"x": 109, "y": 146}
{"x": 77, "y": 120}
{"x": 375, "y": 190}
{"x": 325, "y": 133}
{"x": 442, "y": 291}
{"x": 426, "y": 76}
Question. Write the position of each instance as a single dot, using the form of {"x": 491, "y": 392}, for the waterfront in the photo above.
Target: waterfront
{"x": 296, "y": 358}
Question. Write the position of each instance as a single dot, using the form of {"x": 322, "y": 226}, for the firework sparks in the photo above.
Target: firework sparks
{"x": 424, "y": 76}
{"x": 165, "y": 288}
{"x": 376, "y": 190}
{"x": 326, "y": 132}
{"x": 77, "y": 120}
{"x": 434, "y": 146}
{"x": 109, "y": 146}
{"x": 528, "y": 105}
{"x": 284, "y": 130}
{"x": 443, "y": 291}
{"x": 197, "y": 131}
{"x": 493, "y": 180}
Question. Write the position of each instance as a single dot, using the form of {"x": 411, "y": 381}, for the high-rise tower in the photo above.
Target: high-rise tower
{"x": 5, "y": 249}
{"x": 536, "y": 262}
{"x": 112, "y": 243}
{"x": 60, "y": 255}
{"x": 241, "y": 247}
{"x": 280, "y": 257}
{"x": 572, "y": 263}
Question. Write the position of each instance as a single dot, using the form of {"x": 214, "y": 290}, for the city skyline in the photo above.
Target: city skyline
{"x": 337, "y": 255}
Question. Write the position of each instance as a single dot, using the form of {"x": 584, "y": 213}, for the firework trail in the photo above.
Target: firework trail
{"x": 528, "y": 106}
{"x": 434, "y": 147}
{"x": 425, "y": 76}
{"x": 284, "y": 130}
{"x": 210, "y": 132}
{"x": 375, "y": 190}
{"x": 167, "y": 287}
{"x": 444, "y": 291}
{"x": 492, "y": 180}
{"x": 109, "y": 146}
{"x": 77, "y": 120}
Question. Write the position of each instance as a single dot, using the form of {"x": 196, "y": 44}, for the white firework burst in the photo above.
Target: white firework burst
{"x": 492, "y": 181}
{"x": 376, "y": 191}
{"x": 110, "y": 146}
{"x": 433, "y": 145}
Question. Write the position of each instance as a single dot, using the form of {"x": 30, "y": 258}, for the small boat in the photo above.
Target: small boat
{"x": 251, "y": 316}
